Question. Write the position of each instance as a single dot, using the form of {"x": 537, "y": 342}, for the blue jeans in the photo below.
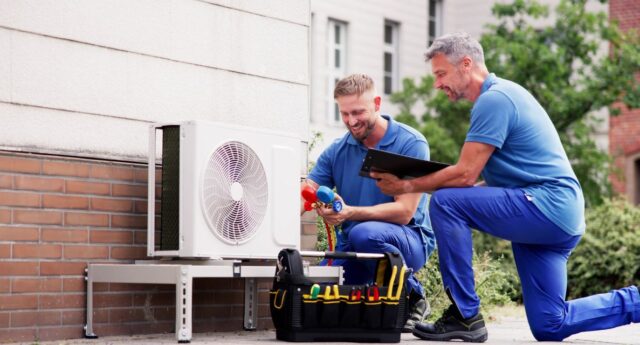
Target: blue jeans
{"x": 381, "y": 237}
{"x": 541, "y": 250}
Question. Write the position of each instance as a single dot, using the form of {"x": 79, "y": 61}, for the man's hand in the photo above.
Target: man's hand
{"x": 332, "y": 217}
{"x": 390, "y": 184}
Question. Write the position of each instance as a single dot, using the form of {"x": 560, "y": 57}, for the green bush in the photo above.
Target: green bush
{"x": 608, "y": 256}
{"x": 492, "y": 284}
{"x": 500, "y": 250}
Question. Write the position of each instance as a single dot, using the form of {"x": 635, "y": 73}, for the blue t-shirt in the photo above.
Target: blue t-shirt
{"x": 529, "y": 154}
{"x": 339, "y": 166}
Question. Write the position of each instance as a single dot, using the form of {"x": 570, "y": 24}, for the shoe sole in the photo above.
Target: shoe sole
{"x": 477, "y": 336}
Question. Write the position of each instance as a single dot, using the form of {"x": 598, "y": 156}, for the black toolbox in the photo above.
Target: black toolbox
{"x": 303, "y": 310}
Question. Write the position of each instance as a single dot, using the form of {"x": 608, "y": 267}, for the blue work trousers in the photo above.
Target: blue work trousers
{"x": 382, "y": 237}
{"x": 541, "y": 250}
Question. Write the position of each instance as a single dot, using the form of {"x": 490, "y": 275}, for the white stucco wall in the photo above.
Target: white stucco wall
{"x": 87, "y": 77}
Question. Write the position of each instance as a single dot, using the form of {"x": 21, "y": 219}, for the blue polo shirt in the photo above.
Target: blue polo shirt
{"x": 529, "y": 154}
{"x": 339, "y": 166}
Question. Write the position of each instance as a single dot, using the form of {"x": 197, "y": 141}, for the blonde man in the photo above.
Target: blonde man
{"x": 371, "y": 221}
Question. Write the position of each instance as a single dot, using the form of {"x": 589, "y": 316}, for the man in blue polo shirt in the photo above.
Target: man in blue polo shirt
{"x": 370, "y": 221}
{"x": 532, "y": 199}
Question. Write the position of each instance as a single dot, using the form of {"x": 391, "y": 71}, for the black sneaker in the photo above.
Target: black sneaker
{"x": 418, "y": 308}
{"x": 451, "y": 325}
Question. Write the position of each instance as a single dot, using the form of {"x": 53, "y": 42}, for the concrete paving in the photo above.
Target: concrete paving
{"x": 509, "y": 329}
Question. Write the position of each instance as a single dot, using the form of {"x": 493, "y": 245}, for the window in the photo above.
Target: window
{"x": 435, "y": 20}
{"x": 390, "y": 57}
{"x": 337, "y": 60}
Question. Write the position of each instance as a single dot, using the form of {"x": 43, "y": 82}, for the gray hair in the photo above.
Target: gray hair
{"x": 456, "y": 46}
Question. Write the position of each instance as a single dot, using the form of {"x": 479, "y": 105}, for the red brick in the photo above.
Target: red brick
{"x": 65, "y": 201}
{"x": 65, "y": 168}
{"x": 86, "y": 252}
{"x": 100, "y": 287}
{"x": 111, "y": 236}
{"x": 110, "y": 300}
{"x": 113, "y": 287}
{"x": 5, "y": 285}
{"x": 132, "y": 190}
{"x": 53, "y": 333}
{"x": 62, "y": 268}
{"x": 128, "y": 253}
{"x": 35, "y": 318}
{"x": 111, "y": 172}
{"x": 140, "y": 237}
{"x": 19, "y": 199}
{"x": 38, "y": 251}
{"x": 18, "y": 335}
{"x": 4, "y": 320}
{"x": 5, "y": 251}
{"x": 142, "y": 174}
{"x": 75, "y": 317}
{"x": 19, "y": 268}
{"x": 18, "y": 302}
{"x": 81, "y": 187}
{"x": 19, "y": 285}
{"x": 74, "y": 284}
{"x": 91, "y": 219}
{"x": 5, "y": 216}
{"x": 129, "y": 222}
{"x": 37, "y": 217}
{"x": 39, "y": 183}
{"x": 18, "y": 233}
{"x": 61, "y": 301}
{"x": 65, "y": 235}
{"x": 19, "y": 164}
{"x": 121, "y": 315}
{"x": 6, "y": 181}
{"x": 113, "y": 205}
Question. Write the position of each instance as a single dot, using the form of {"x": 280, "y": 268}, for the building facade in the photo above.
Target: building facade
{"x": 624, "y": 135}
{"x": 80, "y": 82}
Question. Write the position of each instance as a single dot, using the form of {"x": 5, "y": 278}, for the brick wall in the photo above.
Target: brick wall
{"x": 624, "y": 132}
{"x": 58, "y": 214}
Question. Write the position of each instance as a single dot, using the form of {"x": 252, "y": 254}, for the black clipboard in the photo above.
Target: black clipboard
{"x": 404, "y": 167}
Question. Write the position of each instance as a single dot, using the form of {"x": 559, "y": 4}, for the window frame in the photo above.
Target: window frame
{"x": 391, "y": 48}
{"x": 335, "y": 73}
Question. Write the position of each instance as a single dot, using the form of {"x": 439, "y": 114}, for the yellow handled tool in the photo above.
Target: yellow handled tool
{"x": 327, "y": 293}
{"x": 403, "y": 271}
{"x": 394, "y": 271}
{"x": 336, "y": 291}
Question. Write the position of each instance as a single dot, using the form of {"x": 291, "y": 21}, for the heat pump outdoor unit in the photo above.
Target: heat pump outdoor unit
{"x": 226, "y": 191}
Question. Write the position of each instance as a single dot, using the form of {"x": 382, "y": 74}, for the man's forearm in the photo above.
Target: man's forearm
{"x": 453, "y": 176}
{"x": 388, "y": 212}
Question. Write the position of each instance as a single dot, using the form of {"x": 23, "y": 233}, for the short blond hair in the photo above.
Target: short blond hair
{"x": 355, "y": 84}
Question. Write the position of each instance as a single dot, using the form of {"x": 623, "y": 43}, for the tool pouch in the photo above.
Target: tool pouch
{"x": 304, "y": 310}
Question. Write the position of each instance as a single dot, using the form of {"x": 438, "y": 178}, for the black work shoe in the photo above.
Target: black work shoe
{"x": 451, "y": 325}
{"x": 418, "y": 308}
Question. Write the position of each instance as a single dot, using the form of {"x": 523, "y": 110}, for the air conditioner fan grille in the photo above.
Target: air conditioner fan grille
{"x": 235, "y": 192}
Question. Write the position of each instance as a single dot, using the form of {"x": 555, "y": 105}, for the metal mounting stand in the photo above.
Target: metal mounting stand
{"x": 181, "y": 274}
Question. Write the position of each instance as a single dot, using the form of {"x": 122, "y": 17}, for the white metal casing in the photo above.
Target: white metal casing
{"x": 280, "y": 156}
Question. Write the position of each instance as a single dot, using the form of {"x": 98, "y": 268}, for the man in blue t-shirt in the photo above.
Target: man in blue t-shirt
{"x": 532, "y": 198}
{"x": 370, "y": 221}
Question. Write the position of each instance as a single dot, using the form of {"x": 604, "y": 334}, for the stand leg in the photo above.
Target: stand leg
{"x": 184, "y": 295}
{"x": 88, "y": 327}
{"x": 250, "y": 303}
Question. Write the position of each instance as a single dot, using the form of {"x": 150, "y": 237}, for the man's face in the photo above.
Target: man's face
{"x": 359, "y": 113}
{"x": 451, "y": 79}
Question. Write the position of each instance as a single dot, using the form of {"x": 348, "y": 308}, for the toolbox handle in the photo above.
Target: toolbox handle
{"x": 342, "y": 255}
